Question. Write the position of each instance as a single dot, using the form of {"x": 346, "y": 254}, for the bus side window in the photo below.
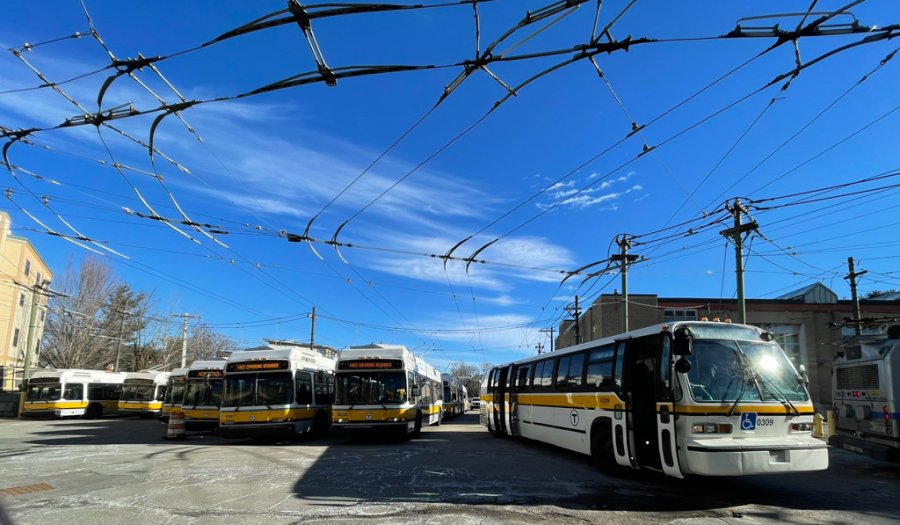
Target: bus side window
{"x": 522, "y": 377}
{"x": 562, "y": 373}
{"x": 620, "y": 358}
{"x": 600, "y": 369}
{"x": 74, "y": 392}
{"x": 304, "y": 388}
{"x": 536, "y": 375}
{"x": 547, "y": 374}
{"x": 664, "y": 385}
{"x": 324, "y": 388}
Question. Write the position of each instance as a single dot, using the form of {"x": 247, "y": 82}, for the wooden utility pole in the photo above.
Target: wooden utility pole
{"x": 852, "y": 278}
{"x": 624, "y": 259}
{"x": 312, "y": 331}
{"x": 736, "y": 233}
{"x": 576, "y": 313}
{"x": 540, "y": 348}
{"x": 119, "y": 340}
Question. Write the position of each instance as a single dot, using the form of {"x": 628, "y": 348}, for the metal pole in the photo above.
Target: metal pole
{"x": 624, "y": 260}
{"x": 119, "y": 341}
{"x": 184, "y": 341}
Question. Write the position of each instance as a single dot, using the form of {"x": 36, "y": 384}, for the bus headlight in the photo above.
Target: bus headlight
{"x": 711, "y": 428}
{"x": 801, "y": 427}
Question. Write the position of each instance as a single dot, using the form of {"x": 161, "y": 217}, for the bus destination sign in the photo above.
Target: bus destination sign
{"x": 257, "y": 366}
{"x": 209, "y": 374}
{"x": 371, "y": 364}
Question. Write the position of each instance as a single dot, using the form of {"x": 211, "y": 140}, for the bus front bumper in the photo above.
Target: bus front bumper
{"x": 264, "y": 430}
{"x": 736, "y": 457}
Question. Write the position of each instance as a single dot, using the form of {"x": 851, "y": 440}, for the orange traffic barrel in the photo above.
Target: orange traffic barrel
{"x": 175, "y": 429}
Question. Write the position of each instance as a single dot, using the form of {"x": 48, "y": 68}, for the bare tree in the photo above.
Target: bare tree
{"x": 471, "y": 376}
{"x": 70, "y": 335}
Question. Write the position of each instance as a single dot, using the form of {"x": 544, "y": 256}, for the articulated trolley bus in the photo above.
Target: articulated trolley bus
{"x": 71, "y": 392}
{"x": 866, "y": 387}
{"x": 715, "y": 399}
{"x": 203, "y": 394}
{"x": 277, "y": 391}
{"x": 385, "y": 387}
{"x": 174, "y": 393}
{"x": 142, "y": 393}
{"x": 455, "y": 396}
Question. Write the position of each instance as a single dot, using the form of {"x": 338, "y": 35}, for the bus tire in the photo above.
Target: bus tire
{"x": 602, "y": 453}
{"x": 320, "y": 424}
{"x": 417, "y": 430}
{"x": 93, "y": 411}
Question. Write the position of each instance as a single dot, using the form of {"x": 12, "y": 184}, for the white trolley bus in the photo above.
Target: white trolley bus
{"x": 174, "y": 393}
{"x": 73, "y": 392}
{"x": 455, "y": 396}
{"x": 385, "y": 387}
{"x": 866, "y": 387}
{"x": 715, "y": 399}
{"x": 277, "y": 391}
{"x": 203, "y": 394}
{"x": 143, "y": 393}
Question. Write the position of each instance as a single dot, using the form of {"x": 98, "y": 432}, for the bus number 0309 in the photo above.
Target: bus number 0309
{"x": 765, "y": 422}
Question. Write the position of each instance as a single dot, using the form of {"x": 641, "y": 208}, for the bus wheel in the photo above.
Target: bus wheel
{"x": 320, "y": 424}
{"x": 417, "y": 430}
{"x": 602, "y": 452}
{"x": 93, "y": 411}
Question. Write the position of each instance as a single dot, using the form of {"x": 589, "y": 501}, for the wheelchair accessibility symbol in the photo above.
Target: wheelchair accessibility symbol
{"x": 748, "y": 421}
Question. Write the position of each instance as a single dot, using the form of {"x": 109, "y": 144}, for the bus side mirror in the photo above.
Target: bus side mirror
{"x": 415, "y": 390}
{"x": 682, "y": 366}
{"x": 803, "y": 376}
{"x": 682, "y": 345}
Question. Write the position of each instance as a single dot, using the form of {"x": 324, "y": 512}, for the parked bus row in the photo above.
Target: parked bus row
{"x": 280, "y": 390}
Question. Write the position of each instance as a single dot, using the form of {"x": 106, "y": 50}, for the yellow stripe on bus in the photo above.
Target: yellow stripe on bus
{"x": 139, "y": 405}
{"x": 266, "y": 416}
{"x": 201, "y": 413}
{"x": 55, "y": 405}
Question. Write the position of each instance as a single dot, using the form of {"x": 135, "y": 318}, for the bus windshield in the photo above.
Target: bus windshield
{"x": 44, "y": 391}
{"x": 201, "y": 392}
{"x": 138, "y": 391}
{"x": 723, "y": 371}
{"x": 361, "y": 388}
{"x": 174, "y": 394}
{"x": 268, "y": 388}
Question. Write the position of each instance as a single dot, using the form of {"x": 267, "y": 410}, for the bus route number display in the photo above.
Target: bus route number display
{"x": 256, "y": 366}
{"x": 371, "y": 364}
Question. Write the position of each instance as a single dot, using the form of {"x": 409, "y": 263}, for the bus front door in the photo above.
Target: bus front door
{"x": 623, "y": 444}
{"x": 665, "y": 408}
{"x": 499, "y": 415}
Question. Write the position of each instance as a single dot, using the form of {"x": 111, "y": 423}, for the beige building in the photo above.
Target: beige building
{"x": 807, "y": 323}
{"x": 23, "y": 274}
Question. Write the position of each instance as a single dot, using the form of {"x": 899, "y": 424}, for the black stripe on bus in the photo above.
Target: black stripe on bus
{"x": 725, "y": 413}
{"x": 755, "y": 449}
{"x": 576, "y": 430}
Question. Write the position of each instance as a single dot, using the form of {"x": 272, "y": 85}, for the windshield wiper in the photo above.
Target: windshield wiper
{"x": 784, "y": 399}
{"x": 748, "y": 373}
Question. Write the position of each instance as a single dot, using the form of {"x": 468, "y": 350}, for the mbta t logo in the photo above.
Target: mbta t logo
{"x": 748, "y": 421}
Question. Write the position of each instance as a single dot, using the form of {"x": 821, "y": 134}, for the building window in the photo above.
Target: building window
{"x": 16, "y": 337}
{"x": 21, "y": 299}
{"x": 672, "y": 315}
{"x": 27, "y": 267}
{"x": 37, "y": 278}
{"x": 790, "y": 338}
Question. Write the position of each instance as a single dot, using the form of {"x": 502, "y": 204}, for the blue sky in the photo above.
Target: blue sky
{"x": 269, "y": 163}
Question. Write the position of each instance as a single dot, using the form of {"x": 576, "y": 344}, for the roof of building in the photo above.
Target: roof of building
{"x": 815, "y": 293}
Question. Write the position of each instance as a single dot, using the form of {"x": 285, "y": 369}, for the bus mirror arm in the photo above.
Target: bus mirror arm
{"x": 682, "y": 344}
{"x": 802, "y": 376}
{"x": 682, "y": 366}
